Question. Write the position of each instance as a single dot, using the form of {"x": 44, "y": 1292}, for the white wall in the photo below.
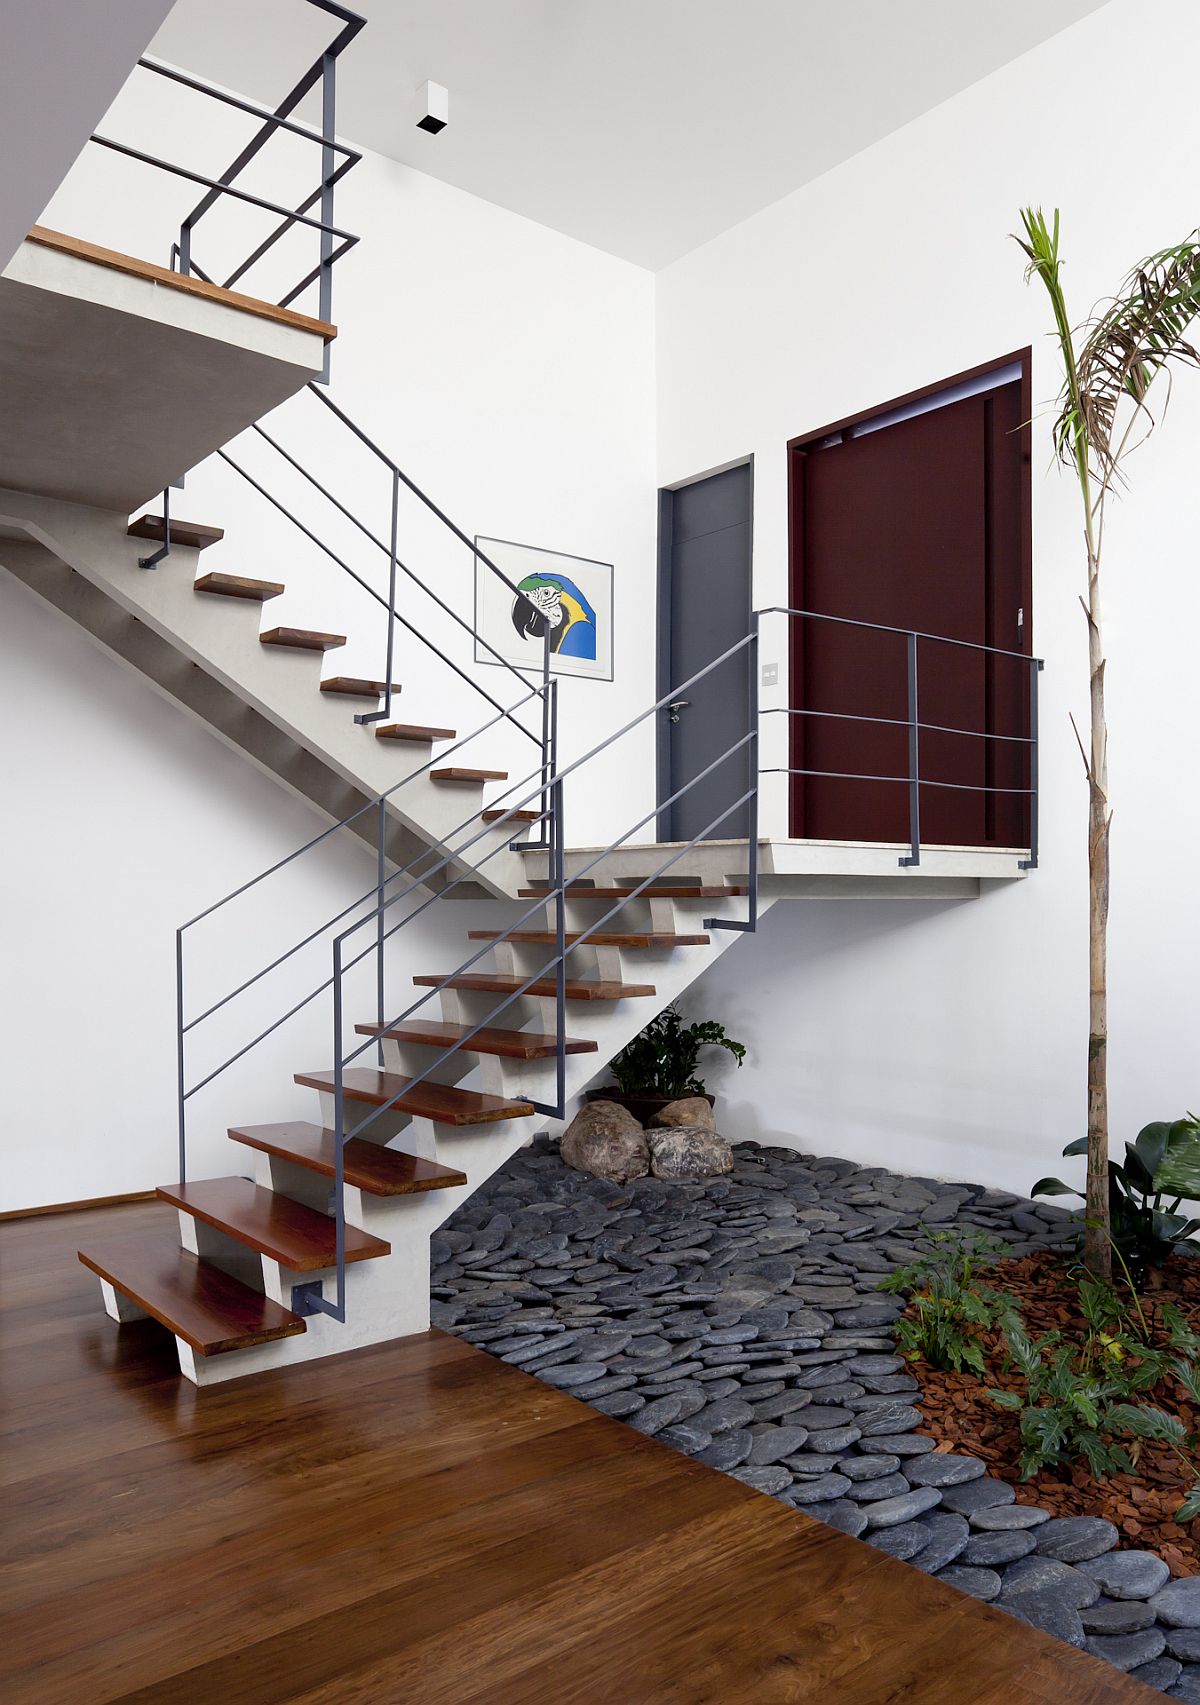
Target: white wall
{"x": 509, "y": 370}
{"x": 951, "y": 1039}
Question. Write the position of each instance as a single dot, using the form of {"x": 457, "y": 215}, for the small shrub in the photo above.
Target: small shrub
{"x": 950, "y": 1309}
{"x": 1161, "y": 1170}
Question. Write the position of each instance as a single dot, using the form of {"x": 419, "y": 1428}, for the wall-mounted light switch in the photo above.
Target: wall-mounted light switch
{"x": 770, "y": 674}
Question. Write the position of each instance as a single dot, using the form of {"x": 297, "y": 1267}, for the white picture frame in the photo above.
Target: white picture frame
{"x": 574, "y": 593}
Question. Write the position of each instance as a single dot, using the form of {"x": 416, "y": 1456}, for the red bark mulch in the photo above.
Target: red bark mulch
{"x": 961, "y": 1417}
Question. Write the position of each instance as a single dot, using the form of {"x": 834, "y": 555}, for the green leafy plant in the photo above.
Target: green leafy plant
{"x": 1086, "y": 1398}
{"x": 1161, "y": 1170}
{"x": 662, "y": 1060}
{"x": 950, "y": 1308}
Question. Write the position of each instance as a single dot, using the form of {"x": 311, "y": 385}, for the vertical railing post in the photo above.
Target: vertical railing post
{"x": 558, "y": 880}
{"x": 164, "y": 550}
{"x": 914, "y": 759}
{"x": 755, "y": 762}
{"x": 391, "y": 631}
{"x": 328, "y": 167}
{"x": 549, "y": 738}
{"x": 181, "y": 1090}
{"x": 380, "y": 930}
{"x": 339, "y": 1133}
{"x": 1035, "y": 669}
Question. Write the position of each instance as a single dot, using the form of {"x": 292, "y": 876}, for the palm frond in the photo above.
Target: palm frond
{"x": 1140, "y": 335}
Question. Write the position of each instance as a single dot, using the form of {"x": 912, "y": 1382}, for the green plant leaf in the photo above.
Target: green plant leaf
{"x": 1190, "y": 1507}
{"x": 1079, "y": 1146}
{"x": 1179, "y": 1172}
{"x": 1151, "y": 1145}
{"x": 1005, "y": 1399}
{"x": 1053, "y": 1187}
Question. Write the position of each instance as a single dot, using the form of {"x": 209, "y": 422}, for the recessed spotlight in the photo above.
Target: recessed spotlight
{"x": 434, "y": 104}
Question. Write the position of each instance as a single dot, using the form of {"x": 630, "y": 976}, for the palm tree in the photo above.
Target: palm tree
{"x": 1103, "y": 414}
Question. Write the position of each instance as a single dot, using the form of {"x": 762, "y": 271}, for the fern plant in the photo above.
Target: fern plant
{"x": 662, "y": 1060}
{"x": 950, "y": 1309}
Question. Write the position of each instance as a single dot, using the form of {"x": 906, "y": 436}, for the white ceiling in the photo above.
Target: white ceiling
{"x": 644, "y": 127}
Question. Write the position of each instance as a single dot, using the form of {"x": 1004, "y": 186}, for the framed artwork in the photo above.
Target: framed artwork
{"x": 569, "y": 595}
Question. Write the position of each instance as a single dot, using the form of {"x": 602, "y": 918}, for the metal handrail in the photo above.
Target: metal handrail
{"x": 333, "y": 240}
{"x": 915, "y": 726}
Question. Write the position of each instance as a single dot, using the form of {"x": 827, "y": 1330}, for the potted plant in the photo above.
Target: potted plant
{"x": 659, "y": 1065}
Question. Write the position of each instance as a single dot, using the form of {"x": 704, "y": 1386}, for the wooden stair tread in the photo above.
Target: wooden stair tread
{"x": 581, "y": 891}
{"x": 239, "y": 586}
{"x": 509, "y": 1044}
{"x": 302, "y": 639}
{"x": 576, "y": 990}
{"x": 495, "y": 814}
{"x": 441, "y": 1102}
{"x": 456, "y": 772}
{"x": 367, "y": 1166}
{"x": 191, "y": 533}
{"x": 598, "y": 938}
{"x": 413, "y": 731}
{"x": 296, "y": 1236}
{"x": 356, "y": 687}
{"x": 198, "y": 1302}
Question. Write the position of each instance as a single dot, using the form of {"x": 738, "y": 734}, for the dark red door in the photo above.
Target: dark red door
{"x": 921, "y": 524}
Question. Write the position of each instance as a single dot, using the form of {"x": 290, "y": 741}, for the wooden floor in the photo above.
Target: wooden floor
{"x": 419, "y": 1523}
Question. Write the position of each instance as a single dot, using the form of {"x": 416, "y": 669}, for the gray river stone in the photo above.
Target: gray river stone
{"x": 948, "y": 1536}
{"x": 979, "y": 1583}
{"x": 724, "y": 1414}
{"x": 1003, "y": 1518}
{"x": 972, "y": 1495}
{"x": 1183, "y": 1643}
{"x": 943, "y": 1468}
{"x": 1046, "y": 1575}
{"x": 1122, "y": 1616}
{"x": 1075, "y": 1539}
{"x": 1048, "y": 1612}
{"x": 820, "y": 1489}
{"x": 771, "y": 1480}
{"x": 903, "y": 1542}
{"x": 1128, "y": 1574}
{"x": 657, "y": 1415}
{"x": 1127, "y": 1651}
{"x": 990, "y": 1550}
{"x": 1178, "y": 1604}
{"x": 890, "y": 1512}
{"x": 1161, "y": 1673}
{"x": 774, "y": 1443}
{"x": 869, "y": 1467}
{"x": 896, "y": 1444}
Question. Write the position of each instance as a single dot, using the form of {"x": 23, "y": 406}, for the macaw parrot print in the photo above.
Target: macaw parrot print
{"x": 551, "y": 601}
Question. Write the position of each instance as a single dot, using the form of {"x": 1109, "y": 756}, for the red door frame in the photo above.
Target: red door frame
{"x": 796, "y": 599}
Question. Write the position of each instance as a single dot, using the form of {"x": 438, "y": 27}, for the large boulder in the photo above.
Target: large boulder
{"x": 688, "y": 1151}
{"x": 688, "y": 1110}
{"x": 606, "y": 1141}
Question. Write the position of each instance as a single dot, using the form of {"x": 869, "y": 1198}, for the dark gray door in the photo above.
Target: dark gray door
{"x": 704, "y": 608}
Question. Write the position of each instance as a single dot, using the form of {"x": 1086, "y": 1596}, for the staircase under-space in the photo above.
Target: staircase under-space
{"x": 435, "y": 1072}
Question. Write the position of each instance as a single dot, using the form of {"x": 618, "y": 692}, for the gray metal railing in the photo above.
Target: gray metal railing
{"x": 337, "y": 158}
{"x": 464, "y": 859}
{"x": 915, "y": 726}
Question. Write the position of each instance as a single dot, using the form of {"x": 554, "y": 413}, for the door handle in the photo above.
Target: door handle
{"x": 675, "y": 707}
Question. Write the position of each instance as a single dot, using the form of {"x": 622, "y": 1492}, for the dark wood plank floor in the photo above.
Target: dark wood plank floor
{"x": 418, "y": 1523}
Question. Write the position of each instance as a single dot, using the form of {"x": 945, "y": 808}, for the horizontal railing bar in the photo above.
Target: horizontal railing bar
{"x": 472, "y": 870}
{"x": 370, "y": 805}
{"x": 882, "y": 627}
{"x": 414, "y": 488}
{"x": 896, "y": 722}
{"x": 378, "y": 597}
{"x": 412, "y": 1083}
{"x": 906, "y": 781}
{"x": 314, "y": 273}
{"x": 306, "y": 473}
{"x": 276, "y": 121}
{"x": 538, "y": 904}
{"x": 308, "y": 80}
{"x": 282, "y": 229}
{"x": 222, "y": 189}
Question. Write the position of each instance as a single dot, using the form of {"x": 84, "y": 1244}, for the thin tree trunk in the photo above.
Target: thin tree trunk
{"x": 1097, "y": 1250}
